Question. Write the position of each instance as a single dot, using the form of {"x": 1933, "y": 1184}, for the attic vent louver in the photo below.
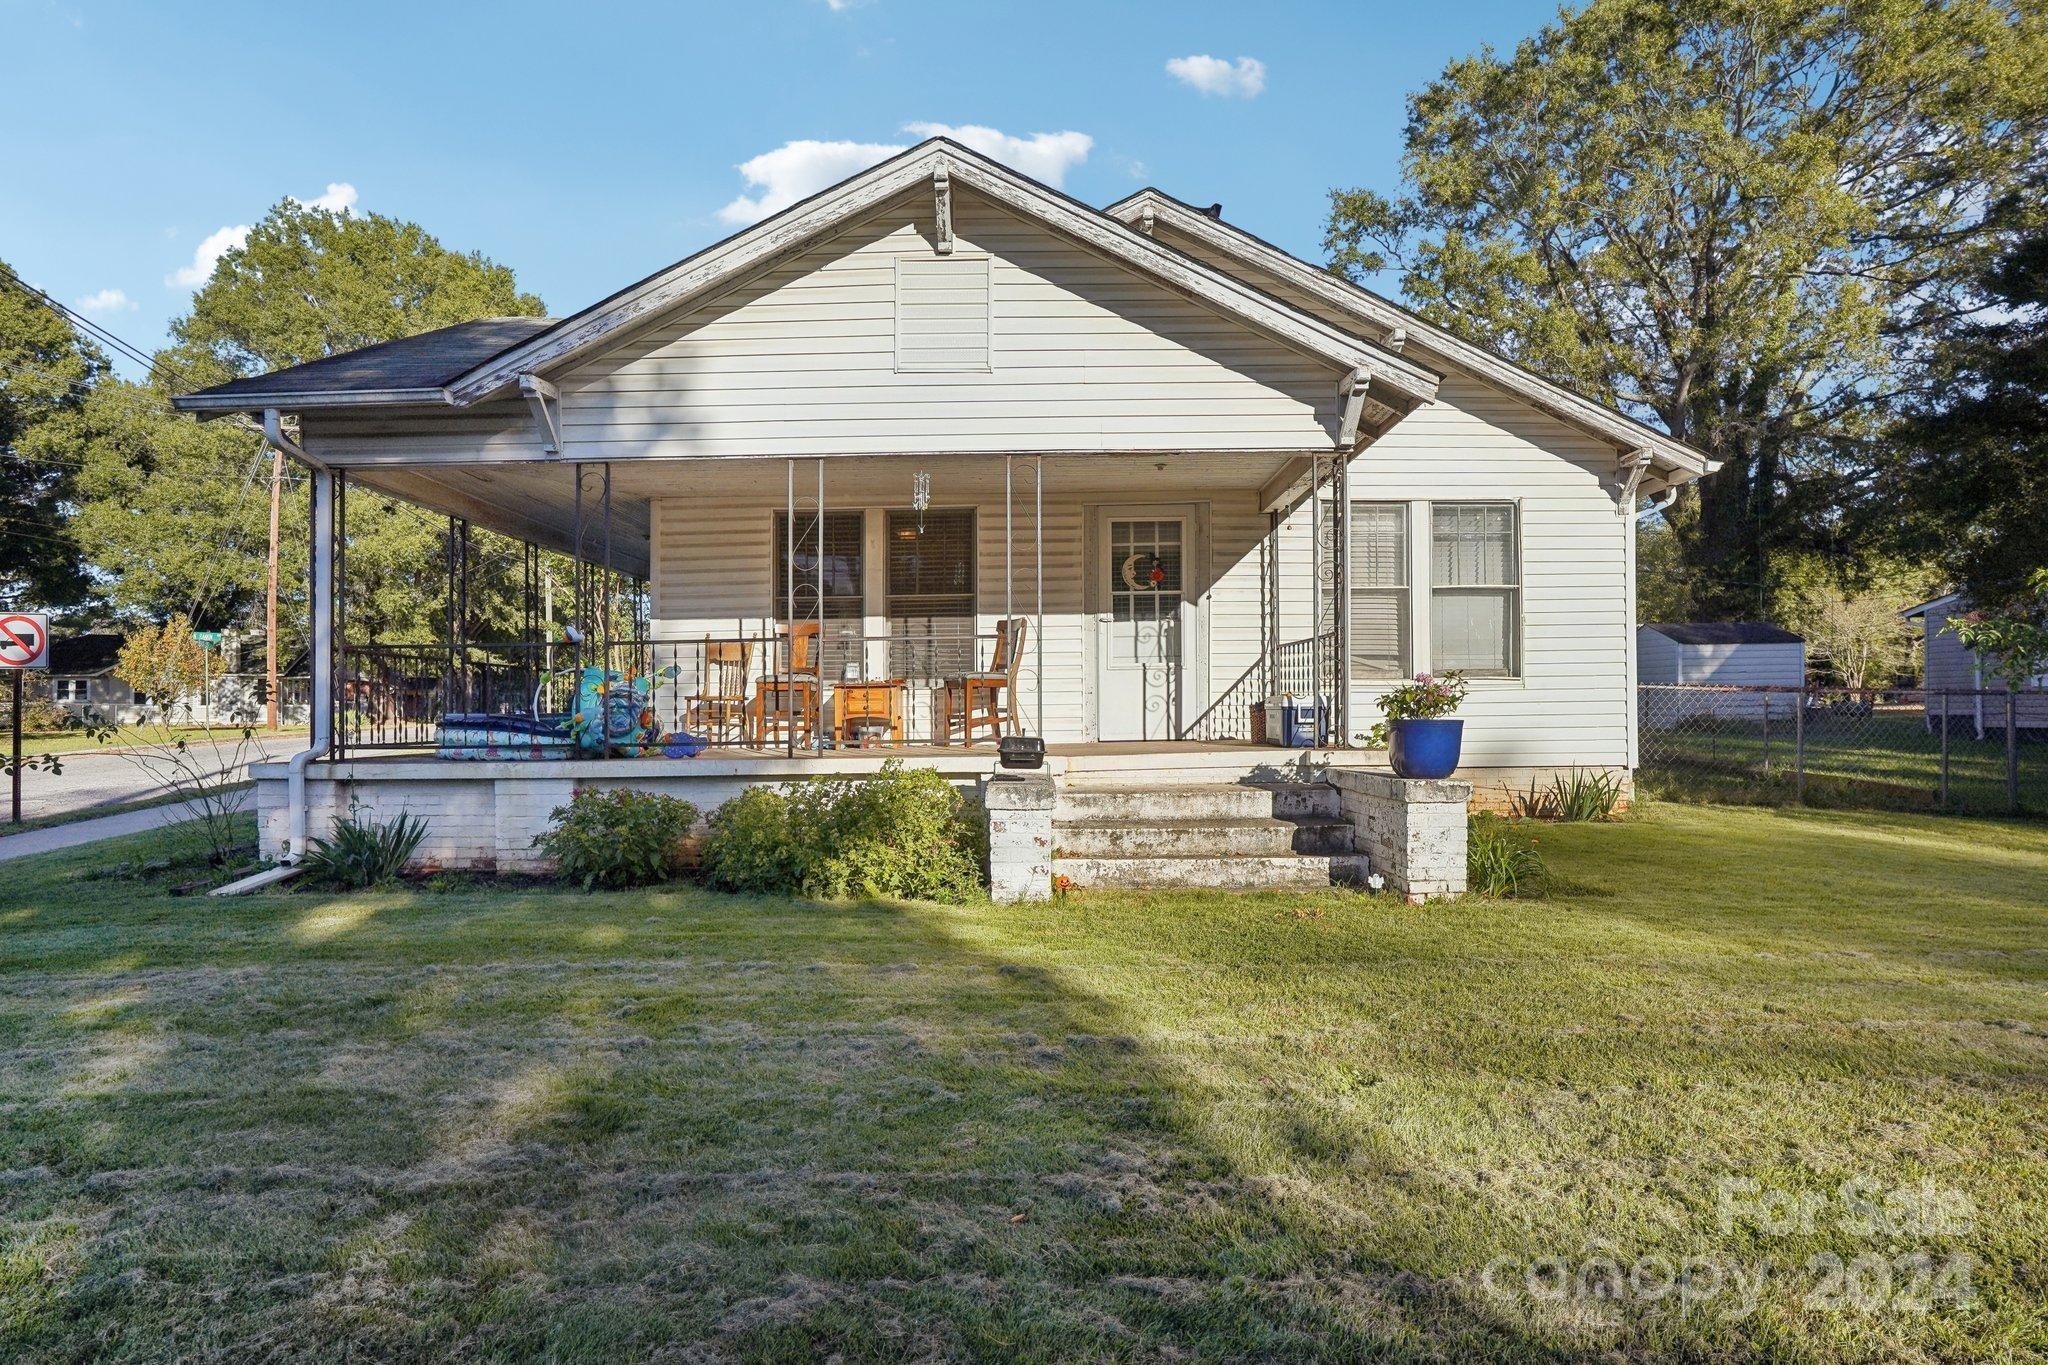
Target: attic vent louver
{"x": 942, "y": 312}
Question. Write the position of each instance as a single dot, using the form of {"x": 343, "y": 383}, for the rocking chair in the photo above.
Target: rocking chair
{"x": 985, "y": 701}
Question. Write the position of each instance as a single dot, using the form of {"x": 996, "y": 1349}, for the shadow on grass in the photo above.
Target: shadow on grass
{"x": 548, "y": 1125}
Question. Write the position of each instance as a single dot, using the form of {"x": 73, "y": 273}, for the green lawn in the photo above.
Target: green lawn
{"x": 153, "y": 736}
{"x": 530, "y": 1125}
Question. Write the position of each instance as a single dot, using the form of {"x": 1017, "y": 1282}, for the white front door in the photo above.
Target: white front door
{"x": 1144, "y": 624}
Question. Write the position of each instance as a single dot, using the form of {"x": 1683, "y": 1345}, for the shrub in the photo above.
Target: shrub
{"x": 1497, "y": 861}
{"x": 617, "y": 838}
{"x": 750, "y": 847}
{"x": 363, "y": 852}
{"x": 1581, "y": 794}
{"x": 902, "y": 832}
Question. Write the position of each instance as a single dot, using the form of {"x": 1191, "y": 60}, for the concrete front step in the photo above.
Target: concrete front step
{"x": 1283, "y": 872}
{"x": 1218, "y": 801}
{"x": 1260, "y": 837}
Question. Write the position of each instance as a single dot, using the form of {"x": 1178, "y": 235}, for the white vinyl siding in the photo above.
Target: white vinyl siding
{"x": 1379, "y": 590}
{"x": 1474, "y": 589}
{"x": 1082, "y": 355}
{"x": 942, "y": 313}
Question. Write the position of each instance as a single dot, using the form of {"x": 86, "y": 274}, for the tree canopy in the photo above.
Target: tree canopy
{"x": 46, "y": 372}
{"x": 1970, "y": 487}
{"x": 177, "y": 510}
{"x": 1743, "y": 220}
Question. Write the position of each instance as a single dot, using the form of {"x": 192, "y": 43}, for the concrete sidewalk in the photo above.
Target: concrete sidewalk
{"x": 31, "y": 842}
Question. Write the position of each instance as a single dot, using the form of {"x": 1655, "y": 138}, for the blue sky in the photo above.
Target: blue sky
{"x": 587, "y": 145}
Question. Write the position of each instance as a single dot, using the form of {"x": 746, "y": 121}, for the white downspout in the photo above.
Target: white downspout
{"x": 321, "y": 718}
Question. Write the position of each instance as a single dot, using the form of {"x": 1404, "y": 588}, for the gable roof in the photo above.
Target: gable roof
{"x": 1385, "y": 317}
{"x": 85, "y": 656}
{"x": 1395, "y": 381}
{"x": 739, "y": 254}
{"x": 414, "y": 369}
{"x": 1727, "y": 633}
{"x": 1932, "y": 603}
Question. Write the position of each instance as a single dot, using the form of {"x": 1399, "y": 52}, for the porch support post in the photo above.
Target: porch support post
{"x": 1341, "y": 509}
{"x": 1315, "y": 620}
{"x": 321, "y": 657}
{"x": 1038, "y": 594}
{"x": 1009, "y": 548}
{"x": 340, "y": 599}
{"x": 818, "y": 654}
{"x": 789, "y": 591}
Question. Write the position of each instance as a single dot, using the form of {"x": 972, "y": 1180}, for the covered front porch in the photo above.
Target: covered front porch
{"x": 733, "y": 607}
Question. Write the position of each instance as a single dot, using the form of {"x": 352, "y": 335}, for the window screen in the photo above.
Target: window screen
{"x": 942, "y": 313}
{"x": 1379, "y": 590}
{"x": 844, "y": 605}
{"x": 931, "y": 593}
{"x": 1475, "y": 589}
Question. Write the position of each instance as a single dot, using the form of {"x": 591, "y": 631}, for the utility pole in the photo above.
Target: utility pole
{"x": 270, "y": 604}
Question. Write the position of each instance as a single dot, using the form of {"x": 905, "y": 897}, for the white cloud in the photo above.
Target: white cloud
{"x": 1243, "y": 78}
{"x": 797, "y": 170}
{"x": 1042, "y": 156}
{"x": 338, "y": 197}
{"x": 105, "y": 303}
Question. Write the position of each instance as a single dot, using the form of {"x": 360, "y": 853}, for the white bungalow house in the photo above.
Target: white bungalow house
{"x": 844, "y": 447}
{"x": 1960, "y": 691}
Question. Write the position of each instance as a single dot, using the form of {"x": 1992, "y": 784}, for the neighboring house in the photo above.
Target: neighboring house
{"x": 1958, "y": 684}
{"x": 82, "y": 680}
{"x": 939, "y": 396}
{"x": 1746, "y": 654}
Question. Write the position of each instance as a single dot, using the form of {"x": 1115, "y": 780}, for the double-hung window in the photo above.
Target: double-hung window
{"x": 931, "y": 593}
{"x": 839, "y": 541}
{"x": 1475, "y": 589}
{"x": 1379, "y": 590}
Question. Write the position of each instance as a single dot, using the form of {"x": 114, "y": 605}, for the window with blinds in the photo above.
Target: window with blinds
{"x": 1379, "y": 590}
{"x": 844, "y": 605}
{"x": 1475, "y": 589}
{"x": 931, "y": 593}
{"x": 942, "y": 312}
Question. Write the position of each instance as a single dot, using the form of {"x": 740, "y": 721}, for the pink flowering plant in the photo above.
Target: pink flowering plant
{"x": 1429, "y": 697}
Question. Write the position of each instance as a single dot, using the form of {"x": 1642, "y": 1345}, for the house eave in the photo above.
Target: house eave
{"x": 1677, "y": 462}
{"x": 306, "y": 400}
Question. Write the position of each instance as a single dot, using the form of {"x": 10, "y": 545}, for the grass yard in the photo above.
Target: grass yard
{"x": 433, "y": 1124}
{"x": 149, "y": 736}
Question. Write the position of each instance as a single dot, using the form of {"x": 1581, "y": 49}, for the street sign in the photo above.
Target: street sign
{"x": 24, "y": 640}
{"x": 207, "y": 639}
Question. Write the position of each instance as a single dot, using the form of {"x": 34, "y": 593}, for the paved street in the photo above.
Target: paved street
{"x": 98, "y": 779}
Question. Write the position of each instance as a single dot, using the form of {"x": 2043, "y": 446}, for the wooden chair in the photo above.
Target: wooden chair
{"x": 720, "y": 711}
{"x": 985, "y": 700}
{"x": 788, "y": 703}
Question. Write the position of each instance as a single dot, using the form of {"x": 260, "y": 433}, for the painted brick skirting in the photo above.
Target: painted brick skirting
{"x": 1411, "y": 830}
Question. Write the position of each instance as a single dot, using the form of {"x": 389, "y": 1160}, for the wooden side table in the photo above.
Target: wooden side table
{"x": 868, "y": 701}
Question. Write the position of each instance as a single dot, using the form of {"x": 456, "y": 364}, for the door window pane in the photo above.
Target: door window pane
{"x": 1475, "y": 589}
{"x": 1379, "y": 590}
{"x": 931, "y": 593}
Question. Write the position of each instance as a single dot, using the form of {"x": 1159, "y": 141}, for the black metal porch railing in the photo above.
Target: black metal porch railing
{"x": 644, "y": 697}
{"x": 1230, "y": 715}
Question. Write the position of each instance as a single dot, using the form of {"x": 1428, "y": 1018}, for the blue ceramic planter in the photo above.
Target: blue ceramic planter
{"x": 1424, "y": 748}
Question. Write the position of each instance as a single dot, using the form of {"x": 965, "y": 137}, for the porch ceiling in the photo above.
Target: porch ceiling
{"x": 535, "y": 501}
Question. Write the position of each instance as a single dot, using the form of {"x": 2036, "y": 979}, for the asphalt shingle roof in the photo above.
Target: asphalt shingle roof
{"x": 1728, "y": 633}
{"x": 426, "y": 361}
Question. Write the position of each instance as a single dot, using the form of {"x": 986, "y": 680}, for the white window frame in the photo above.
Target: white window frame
{"x": 1405, "y": 666}
{"x": 1425, "y": 553}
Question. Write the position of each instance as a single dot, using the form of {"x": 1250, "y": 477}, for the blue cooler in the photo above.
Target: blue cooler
{"x": 1304, "y": 721}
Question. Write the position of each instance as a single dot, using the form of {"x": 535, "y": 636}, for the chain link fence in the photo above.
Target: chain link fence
{"x": 1937, "y": 749}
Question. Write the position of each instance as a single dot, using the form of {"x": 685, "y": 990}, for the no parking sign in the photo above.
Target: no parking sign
{"x": 24, "y": 640}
